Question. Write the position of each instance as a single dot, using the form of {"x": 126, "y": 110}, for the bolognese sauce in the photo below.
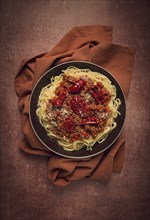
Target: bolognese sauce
{"x": 79, "y": 108}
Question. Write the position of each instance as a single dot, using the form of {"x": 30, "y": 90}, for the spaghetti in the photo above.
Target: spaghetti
{"x": 78, "y": 108}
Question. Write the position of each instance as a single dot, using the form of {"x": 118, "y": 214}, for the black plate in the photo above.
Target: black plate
{"x": 52, "y": 144}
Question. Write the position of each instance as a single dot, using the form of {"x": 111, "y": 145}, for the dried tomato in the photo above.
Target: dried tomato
{"x": 58, "y": 101}
{"x": 97, "y": 94}
{"x": 69, "y": 124}
{"x": 78, "y": 105}
{"x": 77, "y": 87}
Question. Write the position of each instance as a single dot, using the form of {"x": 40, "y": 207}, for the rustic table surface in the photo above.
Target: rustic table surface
{"x": 30, "y": 27}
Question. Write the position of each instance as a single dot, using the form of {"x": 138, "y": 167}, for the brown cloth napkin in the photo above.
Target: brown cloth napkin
{"x": 86, "y": 43}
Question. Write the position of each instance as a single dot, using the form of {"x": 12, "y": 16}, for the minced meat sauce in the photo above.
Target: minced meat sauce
{"x": 79, "y": 110}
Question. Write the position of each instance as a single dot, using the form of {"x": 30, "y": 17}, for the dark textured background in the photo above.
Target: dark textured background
{"x": 29, "y": 27}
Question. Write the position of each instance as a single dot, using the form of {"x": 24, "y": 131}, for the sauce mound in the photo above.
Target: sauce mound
{"x": 79, "y": 108}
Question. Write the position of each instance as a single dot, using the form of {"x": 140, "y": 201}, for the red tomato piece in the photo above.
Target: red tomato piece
{"x": 69, "y": 124}
{"x": 77, "y": 87}
{"x": 58, "y": 101}
{"x": 78, "y": 105}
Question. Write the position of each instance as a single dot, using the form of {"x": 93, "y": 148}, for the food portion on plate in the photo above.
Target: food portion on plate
{"x": 78, "y": 108}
